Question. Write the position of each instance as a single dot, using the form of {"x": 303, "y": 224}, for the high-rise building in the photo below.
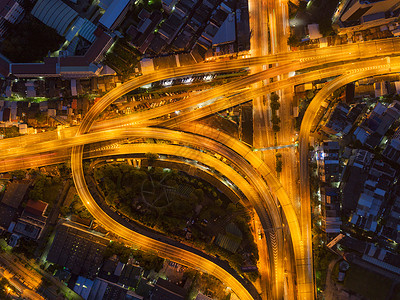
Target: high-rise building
{"x": 362, "y": 14}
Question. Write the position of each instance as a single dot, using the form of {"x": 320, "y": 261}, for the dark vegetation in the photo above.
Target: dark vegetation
{"x": 146, "y": 260}
{"x": 274, "y": 104}
{"x": 30, "y": 41}
{"x": 176, "y": 204}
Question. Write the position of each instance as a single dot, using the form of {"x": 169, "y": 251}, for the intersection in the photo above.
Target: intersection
{"x": 53, "y": 141}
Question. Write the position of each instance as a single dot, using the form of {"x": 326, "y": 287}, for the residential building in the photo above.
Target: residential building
{"x": 382, "y": 258}
{"x": 32, "y": 221}
{"x": 338, "y": 124}
{"x": 10, "y": 11}
{"x": 142, "y": 35}
{"x": 376, "y": 190}
{"x": 331, "y": 220}
{"x": 391, "y": 229}
{"x": 186, "y": 31}
{"x": 328, "y": 162}
{"x": 355, "y": 174}
{"x": 313, "y": 31}
{"x": 15, "y": 193}
{"x": 114, "y": 14}
{"x": 375, "y": 126}
{"x": 106, "y": 290}
{"x": 130, "y": 276}
{"x": 165, "y": 290}
{"x": 392, "y": 149}
{"x": 363, "y": 14}
{"x": 108, "y": 269}
{"x": 7, "y": 215}
{"x": 78, "y": 250}
{"x": 83, "y": 287}
{"x": 169, "y": 5}
{"x": 353, "y": 244}
{"x": 70, "y": 66}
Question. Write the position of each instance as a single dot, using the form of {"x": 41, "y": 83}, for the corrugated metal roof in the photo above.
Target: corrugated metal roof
{"x": 55, "y": 14}
{"x": 87, "y": 31}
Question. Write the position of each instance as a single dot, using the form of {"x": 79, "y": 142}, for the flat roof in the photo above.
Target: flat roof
{"x": 113, "y": 12}
{"x": 15, "y": 193}
{"x": 48, "y": 67}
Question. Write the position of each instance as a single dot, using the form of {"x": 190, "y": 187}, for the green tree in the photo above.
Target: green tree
{"x": 274, "y": 97}
{"x": 231, "y": 207}
{"x": 218, "y": 202}
{"x": 275, "y": 105}
{"x": 276, "y": 128}
{"x": 200, "y": 194}
{"x": 18, "y": 174}
{"x": 293, "y": 41}
{"x": 275, "y": 119}
{"x": 151, "y": 157}
{"x": 278, "y": 162}
{"x": 325, "y": 27}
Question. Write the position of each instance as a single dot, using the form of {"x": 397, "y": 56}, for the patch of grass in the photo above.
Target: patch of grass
{"x": 366, "y": 283}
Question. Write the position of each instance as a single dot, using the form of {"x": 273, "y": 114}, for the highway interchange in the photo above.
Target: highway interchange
{"x": 260, "y": 181}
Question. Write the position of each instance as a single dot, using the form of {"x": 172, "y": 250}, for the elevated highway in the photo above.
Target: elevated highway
{"x": 88, "y": 122}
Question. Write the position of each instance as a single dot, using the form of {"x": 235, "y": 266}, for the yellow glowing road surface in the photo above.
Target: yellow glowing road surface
{"x": 316, "y": 56}
{"x": 165, "y": 250}
{"x": 13, "y": 270}
{"x": 301, "y": 244}
{"x": 306, "y": 58}
{"x": 8, "y": 145}
{"x": 277, "y": 187}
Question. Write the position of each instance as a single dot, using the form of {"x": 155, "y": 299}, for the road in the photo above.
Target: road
{"x": 165, "y": 250}
{"x": 88, "y": 122}
{"x": 305, "y": 286}
{"x": 315, "y": 56}
{"x": 110, "y": 136}
{"x": 14, "y": 270}
{"x": 257, "y": 181}
{"x": 9, "y": 145}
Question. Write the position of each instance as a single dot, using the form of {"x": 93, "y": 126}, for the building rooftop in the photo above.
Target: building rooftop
{"x": 165, "y": 290}
{"x": 15, "y": 194}
{"x": 48, "y": 67}
{"x": 105, "y": 290}
{"x": 7, "y": 215}
{"x": 78, "y": 250}
{"x": 55, "y": 14}
{"x": 112, "y": 13}
{"x": 5, "y": 6}
{"x": 36, "y": 207}
{"x": 27, "y": 229}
